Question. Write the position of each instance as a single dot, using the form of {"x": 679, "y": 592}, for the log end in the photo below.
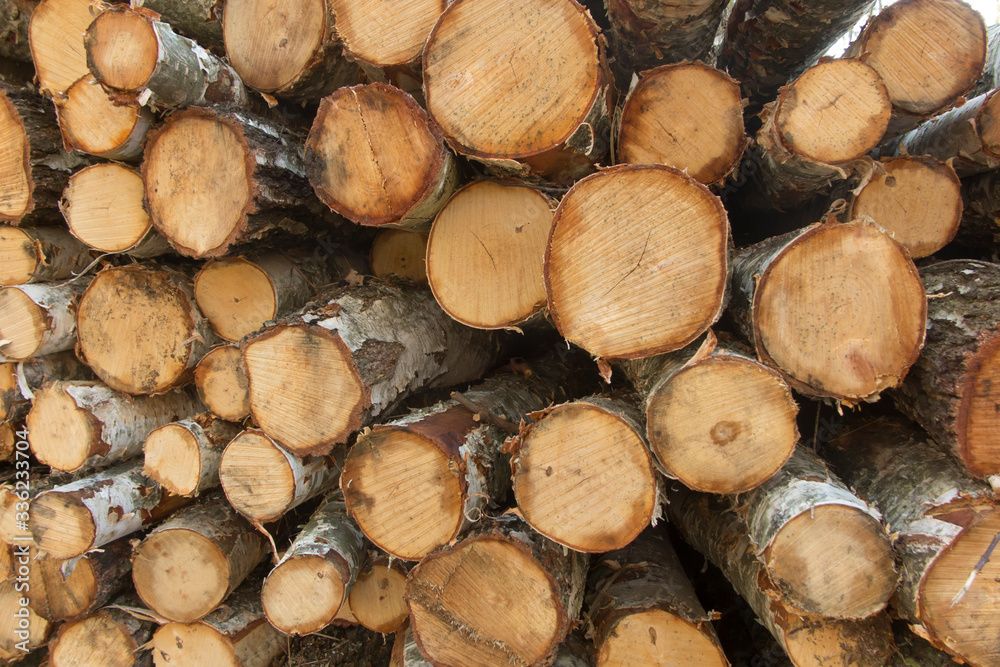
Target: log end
{"x": 404, "y": 491}
{"x": 15, "y": 168}
{"x": 122, "y": 48}
{"x": 303, "y": 594}
{"x": 19, "y": 256}
{"x": 401, "y": 253}
{"x": 172, "y": 458}
{"x": 103, "y": 207}
{"x": 386, "y": 35}
{"x": 723, "y": 425}
{"x": 61, "y": 525}
{"x": 377, "y": 598}
{"x": 23, "y": 324}
{"x": 257, "y": 477}
{"x": 99, "y": 638}
{"x": 91, "y": 122}
{"x": 236, "y": 296}
{"x": 61, "y": 434}
{"x": 37, "y": 628}
{"x": 55, "y": 36}
{"x": 222, "y": 383}
{"x": 979, "y": 413}
{"x": 831, "y": 643}
{"x": 657, "y": 637}
{"x": 59, "y": 598}
{"x": 192, "y": 643}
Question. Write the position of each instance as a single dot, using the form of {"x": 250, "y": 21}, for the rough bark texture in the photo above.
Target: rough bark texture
{"x": 769, "y": 42}
{"x": 932, "y": 505}
{"x": 385, "y": 341}
{"x": 537, "y": 586}
{"x": 199, "y": 20}
{"x": 54, "y": 330}
{"x": 112, "y": 638}
{"x": 991, "y": 69}
{"x": 470, "y": 435}
{"x": 952, "y": 389}
{"x": 116, "y": 424}
{"x": 185, "y": 73}
{"x": 43, "y": 254}
{"x": 646, "y": 34}
{"x": 405, "y": 652}
{"x": 332, "y": 538}
{"x": 20, "y": 381}
{"x": 981, "y": 218}
{"x": 62, "y": 590}
{"x": 710, "y": 527}
{"x": 180, "y": 470}
{"x": 642, "y": 582}
{"x": 14, "y": 18}
{"x": 33, "y": 182}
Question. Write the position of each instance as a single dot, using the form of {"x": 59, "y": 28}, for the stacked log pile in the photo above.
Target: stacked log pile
{"x": 425, "y": 317}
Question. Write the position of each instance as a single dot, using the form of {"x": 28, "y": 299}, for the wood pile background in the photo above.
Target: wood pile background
{"x": 499, "y": 332}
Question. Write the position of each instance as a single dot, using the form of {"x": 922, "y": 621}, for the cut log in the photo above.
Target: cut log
{"x": 14, "y": 29}
{"x": 7, "y": 565}
{"x": 43, "y": 254}
{"x": 263, "y": 481}
{"x": 357, "y": 351}
{"x": 133, "y": 52}
{"x": 917, "y": 199}
{"x": 61, "y": 590}
{"x": 189, "y": 564}
{"x": 770, "y": 42}
{"x": 496, "y": 232}
{"x": 13, "y": 529}
{"x": 795, "y": 297}
{"x": 375, "y": 157}
{"x": 73, "y": 518}
{"x": 603, "y": 262}
{"x": 377, "y": 596}
{"x": 716, "y": 418}
{"x": 980, "y": 226}
{"x": 21, "y": 629}
{"x": 688, "y": 116}
{"x": 644, "y": 35}
{"x": 36, "y": 320}
{"x": 199, "y": 20}
{"x": 306, "y": 589}
{"x": 34, "y": 166}
{"x": 534, "y": 586}
{"x": 523, "y": 88}
{"x": 804, "y": 514}
{"x": 81, "y": 426}
{"x": 103, "y": 208}
{"x": 239, "y": 294}
{"x": 140, "y": 330}
{"x": 291, "y": 51}
{"x": 953, "y": 390}
{"x": 580, "y": 456}
{"x": 234, "y": 635}
{"x": 645, "y": 611}
{"x": 968, "y": 137}
{"x": 19, "y": 382}
{"x": 809, "y": 641}
{"x": 405, "y": 652}
{"x": 222, "y": 383}
{"x": 820, "y": 130}
{"x": 418, "y": 482}
{"x": 56, "y": 38}
{"x": 928, "y": 53}
{"x": 401, "y": 253}
{"x": 110, "y": 638}
{"x": 8, "y": 441}
{"x": 92, "y": 122}
{"x": 247, "y": 171}
{"x": 184, "y": 457}
{"x": 990, "y": 78}
{"x": 946, "y": 524}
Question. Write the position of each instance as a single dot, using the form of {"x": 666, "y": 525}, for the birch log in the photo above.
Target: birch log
{"x": 184, "y": 456}
{"x": 497, "y": 232}
{"x": 20, "y": 381}
{"x": 357, "y": 350}
{"x": 928, "y": 53}
{"x": 980, "y": 226}
{"x": 610, "y": 248}
{"x": 523, "y": 88}
{"x": 43, "y": 254}
{"x": 62, "y": 590}
{"x": 583, "y": 475}
{"x": 374, "y": 156}
{"x": 55, "y": 35}
{"x": 140, "y": 330}
{"x": 92, "y": 122}
{"x": 34, "y": 166}
{"x": 377, "y": 597}
{"x": 535, "y": 586}
{"x": 81, "y": 426}
{"x": 796, "y": 297}
{"x": 234, "y": 635}
{"x": 716, "y": 418}
{"x": 770, "y": 42}
{"x": 418, "y": 482}
{"x": 189, "y": 564}
{"x": 70, "y": 519}
{"x": 645, "y": 611}
{"x": 804, "y": 514}
{"x": 20, "y": 631}
{"x": 36, "y": 320}
{"x": 133, "y": 52}
{"x": 820, "y": 130}
{"x": 290, "y": 51}
{"x": 200, "y": 20}
{"x": 810, "y": 641}
{"x": 405, "y": 652}
{"x": 947, "y": 525}
{"x": 953, "y": 390}
{"x": 102, "y": 205}
{"x": 306, "y": 589}
{"x": 401, "y": 253}
{"x": 222, "y": 383}
{"x": 111, "y": 637}
{"x": 263, "y": 481}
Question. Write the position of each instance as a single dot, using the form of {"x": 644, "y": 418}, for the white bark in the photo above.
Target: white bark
{"x": 58, "y": 300}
